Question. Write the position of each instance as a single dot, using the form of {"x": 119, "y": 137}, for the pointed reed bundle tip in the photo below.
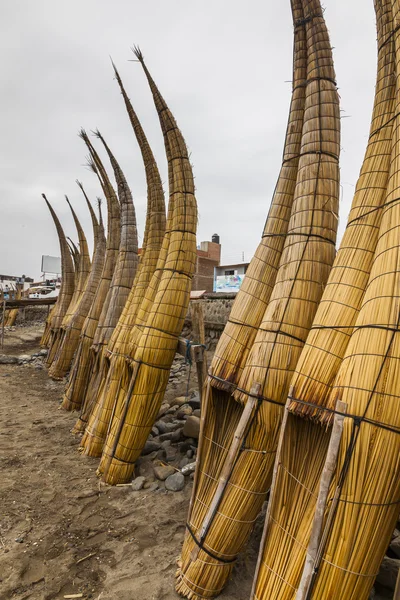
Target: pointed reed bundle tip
{"x": 138, "y": 53}
{"x": 82, "y": 134}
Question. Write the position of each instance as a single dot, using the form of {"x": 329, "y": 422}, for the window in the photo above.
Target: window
{"x": 229, "y": 272}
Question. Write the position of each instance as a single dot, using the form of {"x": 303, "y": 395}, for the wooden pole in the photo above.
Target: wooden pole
{"x": 271, "y": 491}
{"x": 3, "y": 323}
{"x": 200, "y": 444}
{"x": 227, "y": 467}
{"x": 199, "y": 333}
{"x": 314, "y": 551}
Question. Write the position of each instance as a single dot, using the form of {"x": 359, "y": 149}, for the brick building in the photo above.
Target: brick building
{"x": 208, "y": 257}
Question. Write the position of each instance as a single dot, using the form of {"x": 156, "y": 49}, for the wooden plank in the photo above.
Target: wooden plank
{"x": 23, "y": 302}
{"x": 271, "y": 492}
{"x": 227, "y": 467}
{"x": 315, "y": 551}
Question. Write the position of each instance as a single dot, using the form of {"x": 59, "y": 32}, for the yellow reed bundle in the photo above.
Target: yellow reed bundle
{"x": 366, "y": 479}
{"x": 75, "y": 257}
{"x": 292, "y": 504}
{"x": 67, "y": 282}
{"x": 13, "y": 313}
{"x": 81, "y": 276}
{"x": 106, "y": 309}
{"x": 153, "y": 351}
{"x": 253, "y": 297}
{"x": 113, "y": 223}
{"x": 340, "y": 303}
{"x": 223, "y": 520}
{"x": 109, "y": 365}
{"x": 71, "y": 329}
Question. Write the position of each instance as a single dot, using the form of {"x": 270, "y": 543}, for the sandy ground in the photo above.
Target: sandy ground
{"x": 61, "y": 532}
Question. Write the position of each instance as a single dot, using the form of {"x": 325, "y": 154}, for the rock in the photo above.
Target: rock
{"x": 155, "y": 432}
{"x": 192, "y": 427}
{"x": 186, "y": 445}
{"x": 395, "y": 546}
{"x": 8, "y": 360}
{"x": 190, "y": 453}
{"x": 184, "y": 411}
{"x": 166, "y": 427}
{"x": 43, "y": 352}
{"x": 179, "y": 401}
{"x": 387, "y": 575}
{"x": 24, "y": 358}
{"x": 150, "y": 446}
{"x": 194, "y": 401}
{"x": 19, "y": 540}
{"x": 152, "y": 487}
{"x": 197, "y": 413}
{"x": 188, "y": 469}
{"x": 164, "y": 408}
{"x": 175, "y": 482}
{"x": 174, "y": 436}
{"x": 172, "y": 410}
{"x": 170, "y": 452}
{"x": 138, "y": 483}
{"x": 163, "y": 472}
{"x": 184, "y": 461}
{"x": 145, "y": 468}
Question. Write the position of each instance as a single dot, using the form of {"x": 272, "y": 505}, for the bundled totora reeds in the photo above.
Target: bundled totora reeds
{"x": 154, "y": 339}
{"x": 73, "y": 322}
{"x": 109, "y": 293}
{"x": 238, "y": 446}
{"x": 111, "y": 362}
{"x": 67, "y": 288}
{"x": 349, "y": 357}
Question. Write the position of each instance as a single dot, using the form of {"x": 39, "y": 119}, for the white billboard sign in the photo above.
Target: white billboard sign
{"x": 51, "y": 264}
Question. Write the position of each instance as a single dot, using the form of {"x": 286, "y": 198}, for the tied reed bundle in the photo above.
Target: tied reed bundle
{"x": 363, "y": 505}
{"x": 81, "y": 276}
{"x": 108, "y": 310}
{"x": 226, "y": 506}
{"x": 72, "y": 328}
{"x": 67, "y": 282}
{"x": 253, "y": 297}
{"x": 113, "y": 224}
{"x": 11, "y": 315}
{"x": 293, "y": 501}
{"x": 109, "y": 365}
{"x": 152, "y": 351}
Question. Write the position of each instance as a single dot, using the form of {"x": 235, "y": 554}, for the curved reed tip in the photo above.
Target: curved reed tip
{"x": 79, "y": 183}
{"x": 99, "y": 202}
{"x": 138, "y": 53}
{"x": 91, "y": 164}
{"x": 44, "y": 196}
{"x": 82, "y": 134}
{"x": 97, "y": 133}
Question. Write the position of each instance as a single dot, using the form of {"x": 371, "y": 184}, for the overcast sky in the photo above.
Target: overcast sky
{"x": 223, "y": 66}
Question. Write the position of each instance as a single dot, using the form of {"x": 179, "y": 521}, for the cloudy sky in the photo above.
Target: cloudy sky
{"x": 224, "y": 67}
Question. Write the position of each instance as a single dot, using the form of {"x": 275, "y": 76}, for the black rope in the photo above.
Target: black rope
{"x": 305, "y": 20}
{"x": 306, "y": 235}
{"x": 332, "y": 411}
{"x": 381, "y": 207}
{"x": 382, "y": 504}
{"x": 378, "y": 129}
{"x": 357, "y": 327}
{"x": 319, "y": 152}
{"x": 201, "y": 546}
{"x": 389, "y": 37}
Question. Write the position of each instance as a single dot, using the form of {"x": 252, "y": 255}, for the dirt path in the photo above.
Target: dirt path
{"x": 60, "y": 531}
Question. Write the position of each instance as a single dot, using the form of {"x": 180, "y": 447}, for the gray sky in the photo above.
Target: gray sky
{"x": 224, "y": 68}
